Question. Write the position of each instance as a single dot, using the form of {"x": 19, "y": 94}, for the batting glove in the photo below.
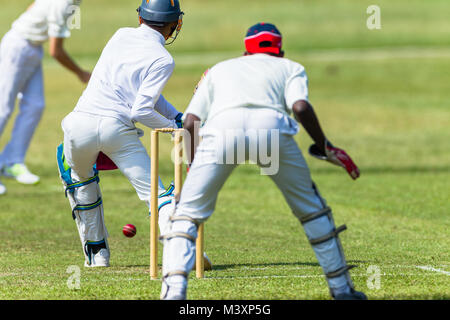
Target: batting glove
{"x": 179, "y": 121}
{"x": 337, "y": 157}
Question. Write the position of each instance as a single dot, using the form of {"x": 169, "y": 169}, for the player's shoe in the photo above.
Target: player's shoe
{"x": 2, "y": 188}
{"x": 98, "y": 255}
{"x": 352, "y": 295}
{"x": 20, "y": 172}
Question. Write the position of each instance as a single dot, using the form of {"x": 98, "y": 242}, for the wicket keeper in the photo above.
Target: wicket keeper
{"x": 250, "y": 99}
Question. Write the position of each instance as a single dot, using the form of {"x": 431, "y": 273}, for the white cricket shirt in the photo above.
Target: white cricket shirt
{"x": 128, "y": 80}
{"x": 44, "y": 19}
{"x": 254, "y": 81}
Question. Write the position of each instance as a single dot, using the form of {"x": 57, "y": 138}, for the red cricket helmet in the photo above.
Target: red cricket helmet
{"x": 263, "y": 38}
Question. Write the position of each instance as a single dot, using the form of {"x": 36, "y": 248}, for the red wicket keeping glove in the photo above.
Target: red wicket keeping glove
{"x": 337, "y": 157}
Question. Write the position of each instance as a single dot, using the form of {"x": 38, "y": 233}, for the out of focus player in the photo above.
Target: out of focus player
{"x": 21, "y": 76}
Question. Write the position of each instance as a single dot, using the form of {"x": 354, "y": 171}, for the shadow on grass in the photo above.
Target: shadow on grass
{"x": 407, "y": 297}
{"x": 388, "y": 170}
{"x": 278, "y": 264}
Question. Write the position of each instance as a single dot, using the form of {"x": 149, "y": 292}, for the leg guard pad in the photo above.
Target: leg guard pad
{"x": 179, "y": 247}
{"x": 87, "y": 208}
{"x": 178, "y": 258}
{"x": 166, "y": 209}
{"x": 323, "y": 236}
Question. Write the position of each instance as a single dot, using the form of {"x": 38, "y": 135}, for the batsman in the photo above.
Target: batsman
{"x": 250, "y": 99}
{"x": 101, "y": 133}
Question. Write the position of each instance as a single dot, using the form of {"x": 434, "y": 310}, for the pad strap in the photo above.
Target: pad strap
{"x": 84, "y": 207}
{"x": 340, "y": 271}
{"x": 176, "y": 273}
{"x": 332, "y": 234}
{"x": 184, "y": 218}
{"x": 73, "y": 186}
{"x": 315, "y": 215}
{"x": 177, "y": 235}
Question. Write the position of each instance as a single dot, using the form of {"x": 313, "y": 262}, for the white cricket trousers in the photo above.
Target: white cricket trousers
{"x": 206, "y": 177}
{"x": 20, "y": 72}
{"x": 220, "y": 139}
{"x": 85, "y": 135}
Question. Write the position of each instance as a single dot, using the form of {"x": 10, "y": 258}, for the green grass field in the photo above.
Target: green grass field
{"x": 380, "y": 94}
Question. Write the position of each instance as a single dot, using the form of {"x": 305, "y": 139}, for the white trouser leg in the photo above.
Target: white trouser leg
{"x": 123, "y": 146}
{"x": 20, "y": 71}
{"x": 206, "y": 178}
{"x": 81, "y": 143}
{"x": 294, "y": 181}
{"x": 31, "y": 108}
{"x": 197, "y": 201}
{"x": 80, "y": 150}
{"x": 87, "y": 135}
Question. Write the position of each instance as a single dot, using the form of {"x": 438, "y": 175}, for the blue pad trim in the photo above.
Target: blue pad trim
{"x": 84, "y": 207}
{"x": 168, "y": 192}
{"x": 64, "y": 169}
{"x": 66, "y": 172}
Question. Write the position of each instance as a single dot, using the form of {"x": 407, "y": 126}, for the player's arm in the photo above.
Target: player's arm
{"x": 143, "y": 111}
{"x": 197, "y": 113}
{"x": 149, "y": 93}
{"x": 165, "y": 108}
{"x": 322, "y": 149}
{"x": 58, "y": 52}
{"x": 305, "y": 115}
{"x": 191, "y": 125}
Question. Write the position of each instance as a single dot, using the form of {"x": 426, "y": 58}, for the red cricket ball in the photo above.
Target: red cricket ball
{"x": 129, "y": 230}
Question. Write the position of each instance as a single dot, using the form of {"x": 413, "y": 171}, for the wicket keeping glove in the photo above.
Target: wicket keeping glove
{"x": 179, "y": 121}
{"x": 337, "y": 157}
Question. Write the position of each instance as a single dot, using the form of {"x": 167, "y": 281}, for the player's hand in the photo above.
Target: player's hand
{"x": 340, "y": 158}
{"x": 337, "y": 157}
{"x": 179, "y": 121}
{"x": 84, "y": 76}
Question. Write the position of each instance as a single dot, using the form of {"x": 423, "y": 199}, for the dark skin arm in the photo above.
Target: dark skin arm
{"x": 58, "y": 52}
{"x": 305, "y": 115}
{"x": 191, "y": 143}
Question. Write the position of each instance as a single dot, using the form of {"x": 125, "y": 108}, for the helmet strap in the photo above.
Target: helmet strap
{"x": 177, "y": 29}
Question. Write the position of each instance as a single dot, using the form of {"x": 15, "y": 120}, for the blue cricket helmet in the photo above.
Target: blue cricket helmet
{"x": 160, "y": 10}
